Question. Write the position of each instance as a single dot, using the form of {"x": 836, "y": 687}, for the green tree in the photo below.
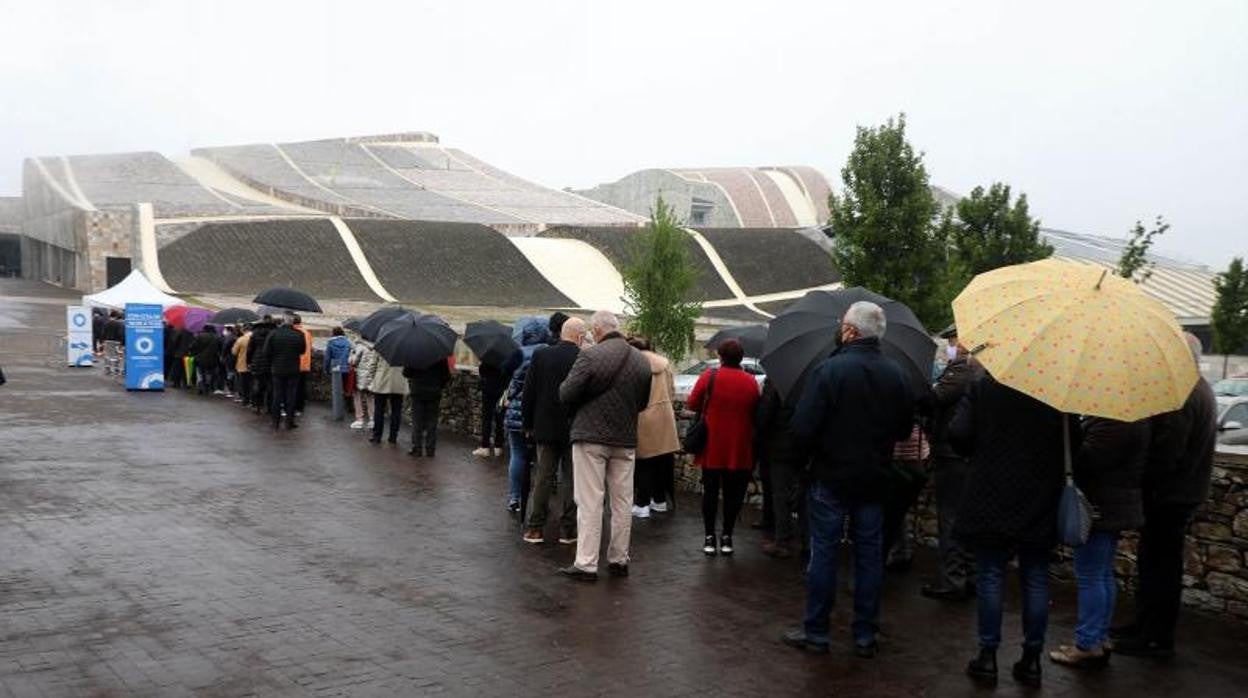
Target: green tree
{"x": 657, "y": 282}
{"x": 1230, "y": 312}
{"x": 1134, "y": 264}
{"x": 885, "y": 225}
{"x": 990, "y": 233}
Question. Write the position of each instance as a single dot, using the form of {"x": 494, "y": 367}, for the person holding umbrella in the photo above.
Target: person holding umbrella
{"x": 492, "y": 342}
{"x": 282, "y": 350}
{"x": 259, "y": 365}
{"x": 855, "y": 407}
{"x": 412, "y": 346}
{"x": 206, "y": 349}
{"x": 425, "y": 385}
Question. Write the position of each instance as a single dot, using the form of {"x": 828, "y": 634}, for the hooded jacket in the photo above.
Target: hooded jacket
{"x": 532, "y": 334}
{"x": 338, "y": 355}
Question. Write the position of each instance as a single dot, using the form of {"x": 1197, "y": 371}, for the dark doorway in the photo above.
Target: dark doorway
{"x": 10, "y": 255}
{"x": 117, "y": 268}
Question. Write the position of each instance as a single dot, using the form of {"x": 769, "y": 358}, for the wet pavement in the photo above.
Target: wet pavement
{"x": 164, "y": 545}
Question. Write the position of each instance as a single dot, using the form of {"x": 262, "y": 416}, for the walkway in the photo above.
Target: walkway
{"x": 167, "y": 545}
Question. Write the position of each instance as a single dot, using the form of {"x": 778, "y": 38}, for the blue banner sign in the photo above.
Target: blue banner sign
{"x": 145, "y": 347}
{"x": 78, "y": 344}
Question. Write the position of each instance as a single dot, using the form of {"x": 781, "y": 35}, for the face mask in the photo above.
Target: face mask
{"x": 952, "y": 351}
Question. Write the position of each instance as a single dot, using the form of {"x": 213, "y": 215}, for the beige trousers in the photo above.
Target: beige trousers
{"x": 598, "y": 470}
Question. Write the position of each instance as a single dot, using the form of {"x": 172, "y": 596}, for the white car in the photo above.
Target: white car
{"x": 1233, "y": 421}
{"x": 687, "y": 377}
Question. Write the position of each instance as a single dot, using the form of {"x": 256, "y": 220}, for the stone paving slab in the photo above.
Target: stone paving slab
{"x": 170, "y": 545}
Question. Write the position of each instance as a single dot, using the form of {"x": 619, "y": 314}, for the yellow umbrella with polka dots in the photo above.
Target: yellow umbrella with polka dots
{"x": 1077, "y": 338}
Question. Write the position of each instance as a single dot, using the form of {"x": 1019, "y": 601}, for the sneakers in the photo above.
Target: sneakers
{"x": 218, "y": 392}
{"x": 483, "y": 452}
{"x": 659, "y": 507}
{"x": 709, "y": 547}
{"x": 1076, "y": 658}
{"x": 641, "y": 512}
{"x": 534, "y": 535}
{"x": 357, "y": 424}
{"x": 496, "y": 452}
{"x": 567, "y": 539}
{"x": 725, "y": 545}
{"x": 513, "y": 506}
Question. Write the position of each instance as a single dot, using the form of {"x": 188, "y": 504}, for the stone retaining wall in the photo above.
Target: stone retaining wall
{"x": 1216, "y": 578}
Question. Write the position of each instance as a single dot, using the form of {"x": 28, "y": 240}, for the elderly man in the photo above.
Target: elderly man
{"x": 608, "y": 386}
{"x": 957, "y": 564}
{"x": 856, "y": 406}
{"x": 1176, "y": 481}
{"x": 546, "y": 422}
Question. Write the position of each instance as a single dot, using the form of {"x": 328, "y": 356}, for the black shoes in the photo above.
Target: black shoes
{"x": 725, "y": 545}
{"x": 797, "y": 639}
{"x": 374, "y": 439}
{"x": 576, "y": 573}
{"x": 709, "y": 547}
{"x": 1141, "y": 647}
{"x": 1124, "y": 632}
{"x": 867, "y": 651}
{"x": 416, "y": 452}
{"x": 984, "y": 667}
{"x": 945, "y": 593}
{"x": 1027, "y": 669}
{"x": 618, "y": 569}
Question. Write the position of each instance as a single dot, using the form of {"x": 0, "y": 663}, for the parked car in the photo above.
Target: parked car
{"x": 1233, "y": 421}
{"x": 687, "y": 377}
{"x": 1235, "y": 386}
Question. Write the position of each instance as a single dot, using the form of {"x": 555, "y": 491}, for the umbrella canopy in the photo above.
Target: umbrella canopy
{"x": 288, "y": 299}
{"x": 195, "y": 318}
{"x": 753, "y": 338}
{"x": 491, "y": 341}
{"x": 233, "y": 316}
{"x": 1076, "y": 338}
{"x": 416, "y": 341}
{"x": 352, "y": 323}
{"x": 176, "y": 315}
{"x": 370, "y": 327}
{"x": 805, "y": 334}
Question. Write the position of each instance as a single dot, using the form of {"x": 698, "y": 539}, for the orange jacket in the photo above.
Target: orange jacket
{"x": 305, "y": 360}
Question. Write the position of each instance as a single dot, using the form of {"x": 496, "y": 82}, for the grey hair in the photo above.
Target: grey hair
{"x": 867, "y": 318}
{"x": 1193, "y": 343}
{"x": 573, "y": 330}
{"x": 604, "y": 321}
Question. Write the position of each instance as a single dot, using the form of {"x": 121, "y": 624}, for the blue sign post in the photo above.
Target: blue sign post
{"x": 145, "y": 347}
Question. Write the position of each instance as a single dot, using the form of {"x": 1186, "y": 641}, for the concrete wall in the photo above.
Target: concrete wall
{"x": 638, "y": 191}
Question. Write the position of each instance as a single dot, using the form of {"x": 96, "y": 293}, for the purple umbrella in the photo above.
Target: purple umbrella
{"x": 196, "y": 318}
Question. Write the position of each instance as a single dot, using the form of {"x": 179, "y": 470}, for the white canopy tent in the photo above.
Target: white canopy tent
{"x": 135, "y": 288}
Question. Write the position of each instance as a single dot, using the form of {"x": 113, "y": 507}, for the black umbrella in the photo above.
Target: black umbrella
{"x": 416, "y": 341}
{"x": 233, "y": 316}
{"x": 753, "y": 338}
{"x": 370, "y": 327}
{"x": 288, "y": 299}
{"x": 491, "y": 341}
{"x": 805, "y": 334}
{"x": 351, "y": 323}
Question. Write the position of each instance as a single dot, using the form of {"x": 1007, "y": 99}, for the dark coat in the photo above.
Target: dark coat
{"x": 257, "y": 359}
{"x": 284, "y": 348}
{"x": 608, "y": 386}
{"x": 543, "y": 414}
{"x": 115, "y": 331}
{"x": 1180, "y": 458}
{"x": 854, "y": 408}
{"x": 427, "y": 383}
{"x": 774, "y": 437}
{"x": 182, "y": 342}
{"x": 1109, "y": 468}
{"x": 952, "y": 385}
{"x": 493, "y": 382}
{"x": 1017, "y": 468}
{"x": 206, "y": 348}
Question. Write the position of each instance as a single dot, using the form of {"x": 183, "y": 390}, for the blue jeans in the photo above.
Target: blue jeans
{"x": 1033, "y": 573}
{"x": 520, "y": 456}
{"x": 827, "y": 512}
{"x": 1098, "y": 591}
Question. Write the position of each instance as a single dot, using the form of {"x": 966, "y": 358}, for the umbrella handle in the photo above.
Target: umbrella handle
{"x": 1066, "y": 447}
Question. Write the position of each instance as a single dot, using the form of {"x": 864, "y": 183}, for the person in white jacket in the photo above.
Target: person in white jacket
{"x": 363, "y": 361}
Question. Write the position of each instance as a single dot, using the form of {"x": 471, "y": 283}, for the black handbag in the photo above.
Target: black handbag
{"x": 696, "y": 436}
{"x": 2, "y": 379}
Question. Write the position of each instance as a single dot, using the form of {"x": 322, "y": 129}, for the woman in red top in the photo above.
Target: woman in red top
{"x": 728, "y": 459}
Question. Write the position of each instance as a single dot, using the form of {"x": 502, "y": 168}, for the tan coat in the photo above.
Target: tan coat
{"x": 656, "y": 425}
{"x": 240, "y": 353}
{"x": 387, "y": 379}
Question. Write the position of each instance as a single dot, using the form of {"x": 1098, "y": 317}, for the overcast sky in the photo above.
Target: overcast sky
{"x": 1102, "y": 112}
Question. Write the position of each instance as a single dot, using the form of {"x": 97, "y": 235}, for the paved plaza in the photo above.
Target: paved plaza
{"x": 165, "y": 545}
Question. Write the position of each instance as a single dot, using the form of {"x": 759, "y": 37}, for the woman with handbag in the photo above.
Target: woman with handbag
{"x": 725, "y": 399}
{"x": 1109, "y": 470}
{"x": 1009, "y": 508}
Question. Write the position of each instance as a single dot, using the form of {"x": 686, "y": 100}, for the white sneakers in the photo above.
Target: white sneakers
{"x": 357, "y": 424}
{"x": 641, "y": 512}
{"x": 659, "y": 507}
{"x": 483, "y": 452}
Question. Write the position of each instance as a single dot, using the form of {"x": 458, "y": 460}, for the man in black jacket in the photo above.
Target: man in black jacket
{"x": 1176, "y": 482}
{"x": 206, "y": 348}
{"x": 283, "y": 349}
{"x": 856, "y": 407}
{"x": 546, "y": 422}
{"x": 425, "y": 386}
{"x": 258, "y": 364}
{"x": 786, "y": 460}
